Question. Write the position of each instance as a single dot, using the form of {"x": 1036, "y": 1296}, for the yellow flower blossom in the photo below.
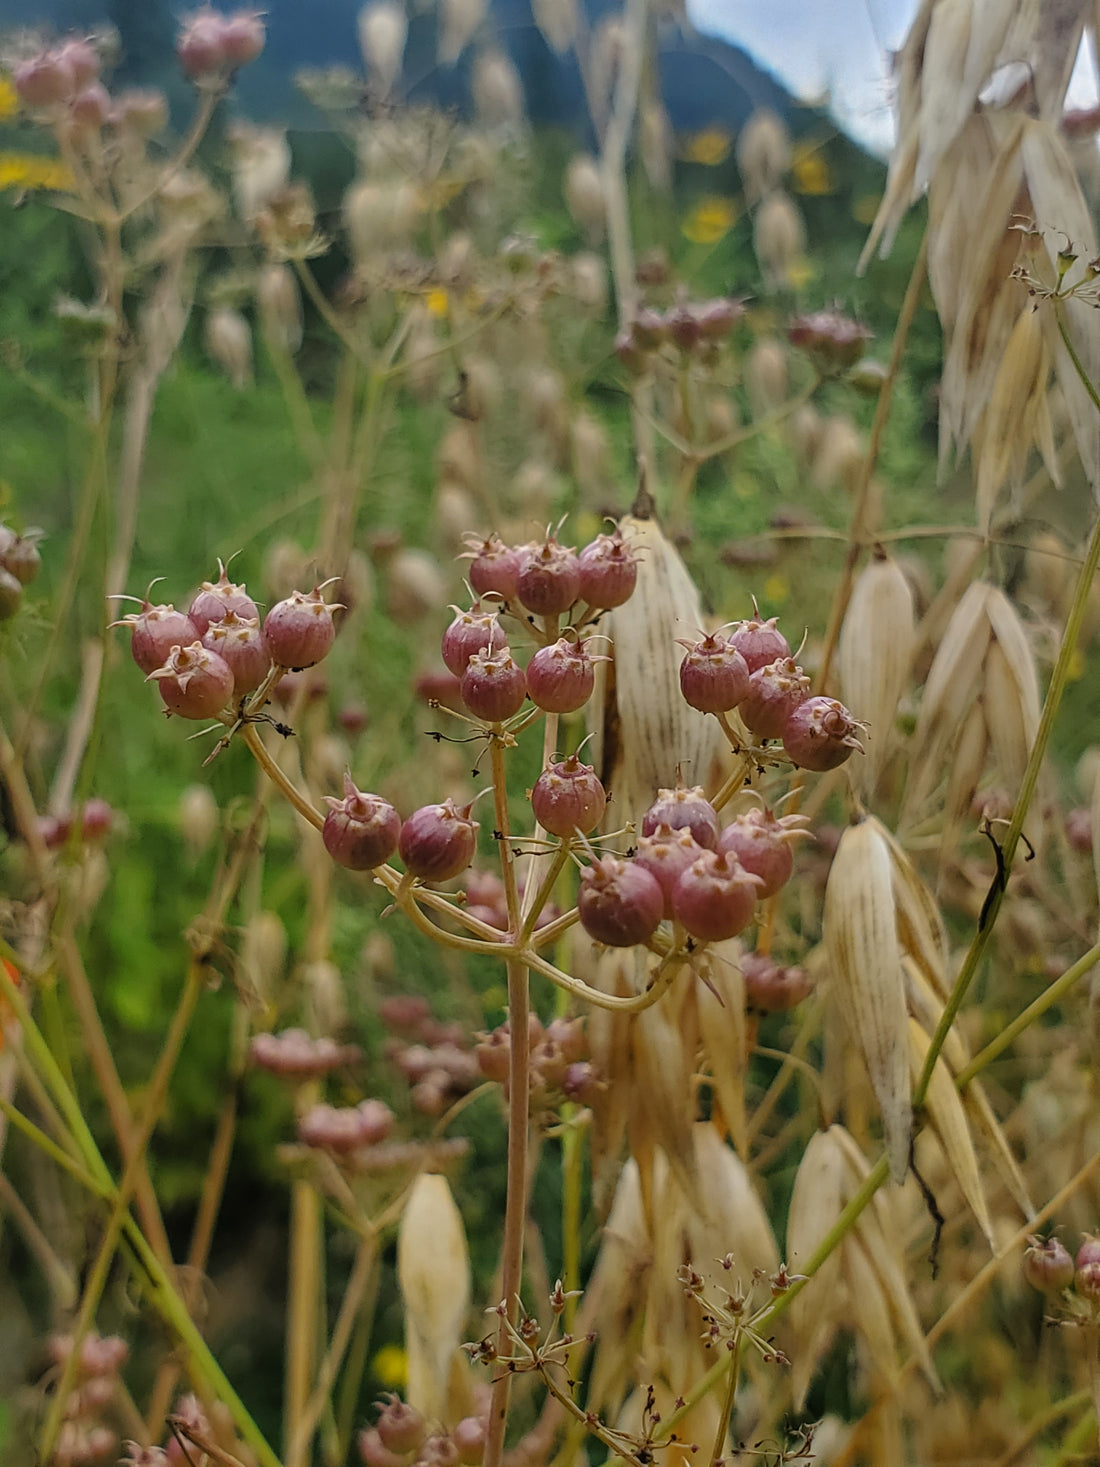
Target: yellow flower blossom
{"x": 709, "y": 147}
{"x": 710, "y": 219}
{"x": 437, "y": 301}
{"x": 391, "y": 1366}
{"x": 800, "y": 273}
{"x": 33, "y": 170}
{"x": 810, "y": 171}
{"x": 776, "y": 590}
{"x": 9, "y": 99}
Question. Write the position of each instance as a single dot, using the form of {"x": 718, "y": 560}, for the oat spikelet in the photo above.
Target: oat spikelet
{"x": 876, "y": 647}
{"x": 433, "y": 1272}
{"x": 861, "y": 940}
{"x": 721, "y": 1017}
{"x": 817, "y": 1200}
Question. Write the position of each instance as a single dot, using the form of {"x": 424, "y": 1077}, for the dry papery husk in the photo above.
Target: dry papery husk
{"x": 874, "y": 656}
{"x": 433, "y": 1274}
{"x": 646, "y": 1327}
{"x": 862, "y": 1285}
{"x": 987, "y": 171}
{"x": 644, "y": 735}
{"x": 983, "y": 662}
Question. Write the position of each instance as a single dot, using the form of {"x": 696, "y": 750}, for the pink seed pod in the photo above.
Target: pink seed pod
{"x": 582, "y": 1082}
{"x": 19, "y": 554}
{"x": 1078, "y": 828}
{"x": 471, "y": 631}
{"x": 630, "y": 352}
{"x": 194, "y": 682}
{"x": 560, "y": 678}
{"x": 243, "y": 37}
{"x": 374, "y": 1453}
{"x": 90, "y": 109}
{"x": 438, "y": 841}
{"x": 215, "y": 598}
{"x": 81, "y": 60}
{"x": 667, "y": 854}
{"x": 200, "y": 46}
{"x": 549, "y": 578}
{"x": 570, "y": 1037}
{"x": 763, "y": 845}
{"x": 54, "y": 830}
{"x": 775, "y": 691}
{"x": 1086, "y": 1277}
{"x": 401, "y": 1427}
{"x": 404, "y": 1013}
{"x": 1048, "y": 1266}
{"x": 43, "y": 81}
{"x": 620, "y": 903}
{"x": 609, "y": 571}
{"x": 296, "y": 1055}
{"x": 568, "y": 797}
{"x": 493, "y": 685}
{"x": 718, "y": 317}
{"x": 494, "y": 566}
{"x": 361, "y": 830}
{"x": 239, "y": 641}
{"x": 759, "y": 642}
{"x": 683, "y": 327}
{"x": 300, "y": 631}
{"x": 96, "y": 819}
{"x": 468, "y": 1436}
{"x": 714, "y": 676}
{"x": 103, "y": 1354}
{"x": 492, "y": 1056}
{"x": 684, "y": 808}
{"x": 155, "y": 631}
{"x": 346, "y": 1128}
{"x": 820, "y": 734}
{"x": 771, "y": 988}
{"x": 649, "y": 328}
{"x": 11, "y": 594}
{"x": 715, "y": 897}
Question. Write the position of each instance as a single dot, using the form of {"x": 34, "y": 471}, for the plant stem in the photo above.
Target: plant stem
{"x": 734, "y": 1375}
{"x": 515, "y": 1207}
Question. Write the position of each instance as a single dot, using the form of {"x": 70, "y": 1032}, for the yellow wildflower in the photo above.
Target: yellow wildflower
{"x": 33, "y": 170}
{"x": 865, "y": 208}
{"x": 9, "y": 98}
{"x": 709, "y": 147}
{"x": 776, "y": 590}
{"x": 710, "y": 219}
{"x": 437, "y": 302}
{"x": 810, "y": 171}
{"x": 390, "y": 1366}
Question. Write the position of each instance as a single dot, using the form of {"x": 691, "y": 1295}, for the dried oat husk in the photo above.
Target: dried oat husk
{"x": 948, "y": 1118}
{"x": 817, "y": 1200}
{"x": 720, "y": 1006}
{"x": 873, "y": 658}
{"x": 860, "y": 933}
{"x": 433, "y": 1273}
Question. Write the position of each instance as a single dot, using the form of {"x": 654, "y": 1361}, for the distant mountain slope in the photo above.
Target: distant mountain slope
{"x": 704, "y": 80}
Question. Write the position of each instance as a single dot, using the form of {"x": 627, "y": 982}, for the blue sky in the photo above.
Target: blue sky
{"x": 834, "y": 48}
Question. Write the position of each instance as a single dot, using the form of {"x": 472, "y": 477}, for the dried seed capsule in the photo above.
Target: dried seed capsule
{"x": 609, "y": 571}
{"x": 194, "y": 682}
{"x": 759, "y": 642}
{"x": 361, "y": 830}
{"x": 1086, "y": 1277}
{"x": 763, "y": 845}
{"x": 714, "y": 676}
{"x": 667, "y": 854}
{"x": 493, "y": 685}
{"x": 568, "y": 797}
{"x": 494, "y": 566}
{"x": 820, "y": 734}
{"x": 684, "y": 808}
{"x": 155, "y": 631}
{"x": 1048, "y": 1266}
{"x": 215, "y": 598}
{"x": 620, "y": 903}
{"x": 471, "y": 631}
{"x": 300, "y": 631}
{"x": 401, "y": 1427}
{"x": 549, "y": 578}
{"x": 438, "y": 841}
{"x": 774, "y": 692}
{"x": 239, "y": 641}
{"x": 715, "y": 897}
{"x": 560, "y": 678}
{"x": 771, "y": 988}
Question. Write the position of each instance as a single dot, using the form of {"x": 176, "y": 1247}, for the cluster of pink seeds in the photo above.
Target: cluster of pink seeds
{"x": 84, "y": 1439}
{"x": 688, "y": 869}
{"x": 750, "y": 668}
{"x": 400, "y": 1438}
{"x": 206, "y": 659}
{"x": 20, "y": 562}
